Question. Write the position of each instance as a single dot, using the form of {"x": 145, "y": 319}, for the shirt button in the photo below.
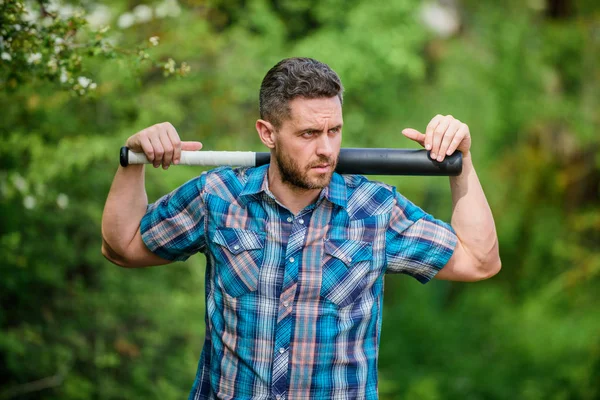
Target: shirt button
{"x": 236, "y": 247}
{"x": 349, "y": 259}
{"x": 282, "y": 350}
{"x": 289, "y": 219}
{"x": 301, "y": 221}
{"x": 286, "y": 303}
{"x": 292, "y": 259}
{"x": 279, "y": 397}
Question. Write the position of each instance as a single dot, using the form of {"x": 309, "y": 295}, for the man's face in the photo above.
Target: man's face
{"x": 307, "y": 145}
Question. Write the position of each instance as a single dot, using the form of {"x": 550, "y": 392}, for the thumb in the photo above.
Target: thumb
{"x": 191, "y": 146}
{"x": 415, "y": 135}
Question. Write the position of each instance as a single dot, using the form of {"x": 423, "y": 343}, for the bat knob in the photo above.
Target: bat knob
{"x": 124, "y": 156}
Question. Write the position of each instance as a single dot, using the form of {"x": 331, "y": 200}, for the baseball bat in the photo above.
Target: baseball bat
{"x": 362, "y": 161}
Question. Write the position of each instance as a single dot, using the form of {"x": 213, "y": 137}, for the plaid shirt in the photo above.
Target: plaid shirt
{"x": 293, "y": 302}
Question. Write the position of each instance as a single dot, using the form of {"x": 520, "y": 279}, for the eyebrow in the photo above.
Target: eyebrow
{"x": 339, "y": 126}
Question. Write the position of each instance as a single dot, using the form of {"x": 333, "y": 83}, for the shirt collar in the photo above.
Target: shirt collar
{"x": 258, "y": 182}
{"x": 335, "y": 192}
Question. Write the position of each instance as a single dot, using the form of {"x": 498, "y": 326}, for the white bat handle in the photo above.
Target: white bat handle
{"x": 212, "y": 158}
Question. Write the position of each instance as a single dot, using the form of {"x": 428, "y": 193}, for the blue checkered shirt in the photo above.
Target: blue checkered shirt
{"x": 293, "y": 302}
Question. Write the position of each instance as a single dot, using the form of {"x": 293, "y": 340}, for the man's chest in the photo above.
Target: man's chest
{"x": 320, "y": 255}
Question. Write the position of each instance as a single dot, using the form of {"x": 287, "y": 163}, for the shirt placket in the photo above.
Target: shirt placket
{"x": 283, "y": 330}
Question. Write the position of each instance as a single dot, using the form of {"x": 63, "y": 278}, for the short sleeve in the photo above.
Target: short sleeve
{"x": 417, "y": 244}
{"x": 173, "y": 226}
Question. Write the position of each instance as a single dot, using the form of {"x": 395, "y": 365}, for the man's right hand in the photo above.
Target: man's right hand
{"x": 161, "y": 144}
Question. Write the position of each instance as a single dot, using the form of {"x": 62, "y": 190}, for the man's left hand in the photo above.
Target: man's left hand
{"x": 444, "y": 135}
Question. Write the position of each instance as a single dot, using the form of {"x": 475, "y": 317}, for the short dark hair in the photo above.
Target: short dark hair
{"x": 295, "y": 77}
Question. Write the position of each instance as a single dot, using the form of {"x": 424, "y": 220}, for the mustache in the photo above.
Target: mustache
{"x": 323, "y": 160}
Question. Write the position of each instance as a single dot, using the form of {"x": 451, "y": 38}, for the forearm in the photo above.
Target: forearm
{"x": 472, "y": 217}
{"x": 125, "y": 206}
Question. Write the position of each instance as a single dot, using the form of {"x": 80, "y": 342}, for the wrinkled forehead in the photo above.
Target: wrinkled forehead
{"x": 319, "y": 111}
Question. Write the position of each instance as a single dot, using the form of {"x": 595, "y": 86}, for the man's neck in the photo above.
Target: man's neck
{"x": 293, "y": 198}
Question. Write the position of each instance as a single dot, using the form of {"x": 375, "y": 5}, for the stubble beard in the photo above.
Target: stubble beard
{"x": 292, "y": 175}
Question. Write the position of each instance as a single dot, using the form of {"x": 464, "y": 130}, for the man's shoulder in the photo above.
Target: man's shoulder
{"x": 226, "y": 175}
{"x": 367, "y": 197}
{"x": 362, "y": 182}
{"x": 227, "y": 182}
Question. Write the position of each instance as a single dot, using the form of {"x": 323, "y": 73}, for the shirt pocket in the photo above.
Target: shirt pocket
{"x": 346, "y": 264}
{"x": 240, "y": 255}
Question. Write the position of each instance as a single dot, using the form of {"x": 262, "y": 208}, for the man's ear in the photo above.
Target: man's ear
{"x": 266, "y": 133}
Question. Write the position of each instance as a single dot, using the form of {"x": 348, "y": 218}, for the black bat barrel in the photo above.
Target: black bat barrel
{"x": 389, "y": 162}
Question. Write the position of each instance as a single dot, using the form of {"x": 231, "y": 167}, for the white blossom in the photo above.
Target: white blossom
{"x": 79, "y": 12}
{"x": 100, "y": 16}
{"x": 62, "y": 200}
{"x": 92, "y": 86}
{"x": 5, "y": 56}
{"x": 185, "y": 68}
{"x": 168, "y": 8}
{"x": 47, "y": 21}
{"x": 30, "y": 14}
{"x": 83, "y": 81}
{"x": 126, "y": 20}
{"x": 64, "y": 77}
{"x": 63, "y": 10}
{"x": 441, "y": 19}
{"x": 142, "y": 13}
{"x": 170, "y": 65}
{"x": 29, "y": 202}
{"x": 34, "y": 58}
{"x": 53, "y": 64}
{"x": 153, "y": 40}
{"x": 58, "y": 44}
{"x": 20, "y": 183}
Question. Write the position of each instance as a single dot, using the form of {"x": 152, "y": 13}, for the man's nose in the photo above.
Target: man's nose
{"x": 324, "y": 147}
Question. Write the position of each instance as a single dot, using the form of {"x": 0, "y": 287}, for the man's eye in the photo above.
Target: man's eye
{"x": 308, "y": 134}
{"x": 335, "y": 130}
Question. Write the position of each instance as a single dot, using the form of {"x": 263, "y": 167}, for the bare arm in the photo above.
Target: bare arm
{"x": 476, "y": 256}
{"x": 126, "y": 204}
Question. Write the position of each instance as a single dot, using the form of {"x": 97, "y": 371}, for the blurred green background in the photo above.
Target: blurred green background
{"x": 524, "y": 75}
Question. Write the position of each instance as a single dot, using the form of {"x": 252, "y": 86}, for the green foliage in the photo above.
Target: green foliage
{"x": 50, "y": 41}
{"x": 523, "y": 75}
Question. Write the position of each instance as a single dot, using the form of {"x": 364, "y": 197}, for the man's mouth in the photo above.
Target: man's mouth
{"x": 321, "y": 167}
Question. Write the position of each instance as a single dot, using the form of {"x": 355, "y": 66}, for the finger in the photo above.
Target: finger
{"x": 429, "y": 131}
{"x": 438, "y": 134}
{"x": 447, "y": 139}
{"x": 158, "y": 150}
{"x": 168, "y": 147}
{"x": 147, "y": 147}
{"x": 415, "y": 135}
{"x": 458, "y": 138}
{"x": 175, "y": 142}
{"x": 133, "y": 142}
{"x": 191, "y": 146}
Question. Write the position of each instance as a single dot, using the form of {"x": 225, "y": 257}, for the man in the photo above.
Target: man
{"x": 296, "y": 253}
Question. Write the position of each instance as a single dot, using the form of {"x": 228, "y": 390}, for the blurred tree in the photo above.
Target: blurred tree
{"x": 49, "y": 41}
{"x": 523, "y": 75}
